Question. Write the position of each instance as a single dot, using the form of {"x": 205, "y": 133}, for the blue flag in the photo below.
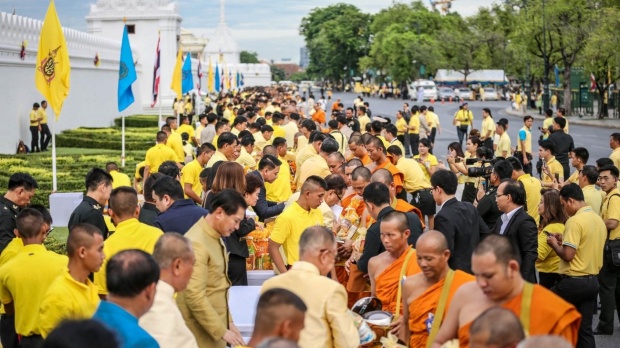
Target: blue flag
{"x": 217, "y": 78}
{"x": 556, "y": 72}
{"x": 126, "y": 74}
{"x": 188, "y": 80}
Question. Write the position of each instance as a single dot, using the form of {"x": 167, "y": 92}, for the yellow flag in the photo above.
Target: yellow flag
{"x": 53, "y": 68}
{"x": 177, "y": 76}
{"x": 210, "y": 78}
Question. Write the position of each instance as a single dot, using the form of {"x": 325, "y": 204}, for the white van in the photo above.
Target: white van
{"x": 430, "y": 90}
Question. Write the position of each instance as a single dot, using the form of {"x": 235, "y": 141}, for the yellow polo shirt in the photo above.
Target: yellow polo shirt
{"x": 190, "y": 174}
{"x": 586, "y": 233}
{"x": 34, "y": 119}
{"x": 548, "y": 122}
{"x": 175, "y": 143}
{"x": 593, "y": 198}
{"x": 25, "y": 279}
{"x": 386, "y": 144}
{"x": 246, "y": 159}
{"x": 488, "y": 125}
{"x": 12, "y": 249}
{"x": 280, "y": 189}
{"x": 302, "y": 142}
{"x": 303, "y": 155}
{"x": 157, "y": 155}
{"x": 67, "y": 298}
{"x": 42, "y": 113}
{"x": 278, "y": 132}
{"x": 119, "y": 179}
{"x": 186, "y": 128}
{"x": 554, "y": 168}
{"x": 217, "y": 156}
{"x": 315, "y": 165}
{"x": 465, "y": 117}
{"x": 574, "y": 178}
{"x": 432, "y": 161}
{"x": 397, "y": 143}
{"x": 289, "y": 226}
{"x": 415, "y": 179}
{"x": 363, "y": 120}
{"x": 611, "y": 211}
{"x": 532, "y": 188}
{"x": 259, "y": 141}
{"x": 548, "y": 261}
{"x": 129, "y": 234}
{"x": 414, "y": 124}
{"x": 615, "y": 156}
{"x": 401, "y": 126}
{"x": 503, "y": 145}
{"x": 138, "y": 166}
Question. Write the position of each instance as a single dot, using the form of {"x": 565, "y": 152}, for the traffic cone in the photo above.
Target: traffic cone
{"x": 450, "y": 100}
{"x": 432, "y": 101}
{"x": 442, "y": 101}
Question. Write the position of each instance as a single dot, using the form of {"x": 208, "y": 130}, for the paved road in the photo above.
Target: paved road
{"x": 595, "y": 139}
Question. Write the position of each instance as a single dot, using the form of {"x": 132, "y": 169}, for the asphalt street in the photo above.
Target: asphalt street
{"x": 595, "y": 139}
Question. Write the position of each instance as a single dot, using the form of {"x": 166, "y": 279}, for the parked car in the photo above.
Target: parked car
{"x": 430, "y": 90}
{"x": 465, "y": 93}
{"x": 446, "y": 93}
{"x": 490, "y": 94}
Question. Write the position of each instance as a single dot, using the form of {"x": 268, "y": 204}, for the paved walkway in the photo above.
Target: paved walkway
{"x": 583, "y": 121}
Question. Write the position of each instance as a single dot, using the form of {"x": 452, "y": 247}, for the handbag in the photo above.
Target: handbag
{"x": 614, "y": 248}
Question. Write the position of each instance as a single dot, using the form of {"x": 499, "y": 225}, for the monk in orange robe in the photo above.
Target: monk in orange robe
{"x": 358, "y": 149}
{"x": 387, "y": 269}
{"x": 495, "y": 263}
{"x": 377, "y": 153}
{"x": 385, "y": 176}
{"x": 422, "y": 292}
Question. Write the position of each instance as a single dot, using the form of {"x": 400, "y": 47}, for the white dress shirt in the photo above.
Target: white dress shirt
{"x": 164, "y": 320}
{"x": 506, "y": 218}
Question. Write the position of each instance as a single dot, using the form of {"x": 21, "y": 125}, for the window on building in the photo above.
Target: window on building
{"x": 131, "y": 28}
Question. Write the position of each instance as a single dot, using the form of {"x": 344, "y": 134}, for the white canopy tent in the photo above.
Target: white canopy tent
{"x": 485, "y": 77}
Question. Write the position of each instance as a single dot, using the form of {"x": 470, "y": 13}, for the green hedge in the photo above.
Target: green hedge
{"x": 67, "y": 140}
{"x": 140, "y": 121}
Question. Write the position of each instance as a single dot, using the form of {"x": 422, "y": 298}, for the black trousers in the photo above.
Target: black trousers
{"x": 566, "y": 169}
{"x": 401, "y": 138}
{"x": 548, "y": 280}
{"x": 469, "y": 193}
{"x": 580, "y": 292}
{"x": 237, "y": 273}
{"x": 609, "y": 292}
{"x": 34, "y": 142}
{"x": 46, "y": 136}
{"x": 34, "y": 341}
{"x": 8, "y": 337}
{"x": 414, "y": 141}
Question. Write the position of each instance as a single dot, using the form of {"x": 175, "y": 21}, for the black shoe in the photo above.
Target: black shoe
{"x": 600, "y": 332}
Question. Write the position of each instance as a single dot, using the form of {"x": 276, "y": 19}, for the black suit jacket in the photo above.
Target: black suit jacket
{"x": 523, "y": 233}
{"x": 463, "y": 228}
{"x": 264, "y": 208}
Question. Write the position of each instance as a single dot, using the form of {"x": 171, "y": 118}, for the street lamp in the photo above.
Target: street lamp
{"x": 546, "y": 61}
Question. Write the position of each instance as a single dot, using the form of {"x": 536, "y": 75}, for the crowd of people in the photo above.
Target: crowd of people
{"x": 477, "y": 251}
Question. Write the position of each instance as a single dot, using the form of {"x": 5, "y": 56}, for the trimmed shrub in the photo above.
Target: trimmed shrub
{"x": 140, "y": 121}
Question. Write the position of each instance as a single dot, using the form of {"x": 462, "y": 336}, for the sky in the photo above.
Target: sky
{"x": 268, "y": 27}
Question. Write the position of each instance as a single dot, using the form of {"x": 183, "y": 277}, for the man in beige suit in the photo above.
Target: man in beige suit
{"x": 204, "y": 304}
{"x": 327, "y": 322}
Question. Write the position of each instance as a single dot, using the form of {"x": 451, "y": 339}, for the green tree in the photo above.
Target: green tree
{"x": 299, "y": 76}
{"x": 336, "y": 36}
{"x": 277, "y": 74}
{"x": 246, "y": 57}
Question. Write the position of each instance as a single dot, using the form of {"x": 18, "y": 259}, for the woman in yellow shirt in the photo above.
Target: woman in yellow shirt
{"x": 401, "y": 127}
{"x": 456, "y": 161}
{"x": 427, "y": 161}
{"x": 552, "y": 219}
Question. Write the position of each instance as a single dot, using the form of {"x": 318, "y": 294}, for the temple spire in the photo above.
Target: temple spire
{"x": 222, "y": 12}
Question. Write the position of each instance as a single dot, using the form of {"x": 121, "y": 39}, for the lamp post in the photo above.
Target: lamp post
{"x": 546, "y": 61}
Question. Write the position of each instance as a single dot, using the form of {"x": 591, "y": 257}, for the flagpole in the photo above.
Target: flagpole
{"x": 123, "y": 141}
{"x": 159, "y": 123}
{"x": 54, "y": 178}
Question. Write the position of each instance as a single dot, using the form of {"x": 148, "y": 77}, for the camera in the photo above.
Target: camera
{"x": 481, "y": 172}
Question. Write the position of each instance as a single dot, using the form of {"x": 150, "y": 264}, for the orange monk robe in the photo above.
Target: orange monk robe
{"x": 549, "y": 315}
{"x": 422, "y": 309}
{"x": 399, "y": 178}
{"x": 366, "y": 160}
{"x": 386, "y": 283}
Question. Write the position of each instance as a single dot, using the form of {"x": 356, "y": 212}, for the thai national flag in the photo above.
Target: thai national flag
{"x": 156, "y": 75}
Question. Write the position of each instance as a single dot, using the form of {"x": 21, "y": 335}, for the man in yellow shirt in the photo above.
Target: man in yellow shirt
{"x": 338, "y": 136}
{"x": 226, "y": 145}
{"x": 524, "y": 144}
{"x": 190, "y": 174}
{"x": 587, "y": 180}
{"x": 503, "y": 147}
{"x": 118, "y": 178}
{"x": 391, "y": 135}
{"x": 547, "y": 124}
{"x": 614, "y": 143}
{"x": 157, "y": 155}
{"x": 129, "y": 234}
{"x": 463, "y": 120}
{"x": 174, "y": 141}
{"x": 294, "y": 220}
{"x": 531, "y": 185}
{"x": 72, "y": 295}
{"x": 46, "y": 135}
{"x": 362, "y": 118}
{"x": 487, "y": 132}
{"x": 25, "y": 278}
{"x": 579, "y": 157}
{"x": 276, "y": 122}
{"x": 414, "y": 130}
{"x": 317, "y": 164}
{"x": 240, "y": 124}
{"x": 228, "y": 113}
{"x": 280, "y": 189}
{"x": 246, "y": 159}
{"x": 415, "y": 180}
{"x": 185, "y": 127}
{"x": 262, "y": 138}
{"x": 553, "y": 172}
{"x": 35, "y": 123}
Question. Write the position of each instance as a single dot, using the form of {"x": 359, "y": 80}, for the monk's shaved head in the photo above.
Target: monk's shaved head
{"x": 315, "y": 238}
{"x": 354, "y": 162}
{"x": 497, "y": 327}
{"x": 361, "y": 173}
{"x": 376, "y": 142}
{"x": 500, "y": 246}
{"x": 432, "y": 240}
{"x": 399, "y": 218}
{"x": 356, "y": 140}
{"x": 544, "y": 341}
{"x": 383, "y": 176}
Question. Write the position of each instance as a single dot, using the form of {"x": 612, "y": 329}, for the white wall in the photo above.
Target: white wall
{"x": 92, "y": 100}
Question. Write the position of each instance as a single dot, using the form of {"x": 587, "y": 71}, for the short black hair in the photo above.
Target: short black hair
{"x": 527, "y": 117}
{"x": 329, "y": 146}
{"x": 515, "y": 163}
{"x": 29, "y": 222}
{"x": 76, "y": 239}
{"x": 612, "y": 169}
{"x": 425, "y": 142}
{"x": 547, "y": 145}
{"x": 516, "y": 191}
{"x": 168, "y": 186}
{"x": 390, "y": 128}
{"x": 244, "y": 133}
{"x": 81, "y": 333}
{"x": 205, "y": 147}
{"x": 590, "y": 173}
{"x": 123, "y": 201}
{"x": 47, "y": 217}
{"x": 582, "y": 153}
{"x": 161, "y": 136}
{"x": 148, "y": 186}
{"x": 96, "y": 177}
{"x": 601, "y": 162}
{"x": 308, "y": 124}
{"x": 130, "y": 272}
{"x": 571, "y": 191}
{"x": 561, "y": 121}
{"x": 615, "y": 137}
{"x": 24, "y": 180}
{"x": 333, "y": 124}
{"x": 395, "y": 150}
{"x": 247, "y": 140}
{"x": 269, "y": 161}
{"x": 169, "y": 168}
{"x": 503, "y": 169}
{"x": 266, "y": 128}
{"x": 279, "y": 141}
{"x": 376, "y": 193}
{"x": 446, "y": 180}
{"x": 226, "y": 138}
{"x": 229, "y": 200}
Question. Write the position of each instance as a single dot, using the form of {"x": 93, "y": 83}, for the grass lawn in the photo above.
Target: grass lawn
{"x": 60, "y": 234}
